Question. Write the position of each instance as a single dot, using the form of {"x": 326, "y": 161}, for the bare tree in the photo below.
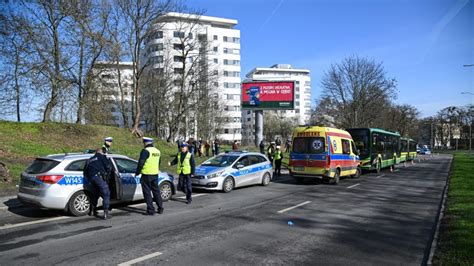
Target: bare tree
{"x": 403, "y": 119}
{"x": 137, "y": 17}
{"x": 359, "y": 90}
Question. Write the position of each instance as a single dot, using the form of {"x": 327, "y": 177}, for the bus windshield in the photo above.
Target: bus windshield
{"x": 306, "y": 145}
{"x": 361, "y": 140}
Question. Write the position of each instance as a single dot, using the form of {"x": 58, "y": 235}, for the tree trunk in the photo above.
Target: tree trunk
{"x": 17, "y": 88}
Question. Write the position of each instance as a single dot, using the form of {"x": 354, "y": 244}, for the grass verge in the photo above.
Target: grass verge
{"x": 456, "y": 244}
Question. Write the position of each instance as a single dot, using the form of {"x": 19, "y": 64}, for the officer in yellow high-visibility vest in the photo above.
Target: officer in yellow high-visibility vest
{"x": 149, "y": 168}
{"x": 277, "y": 157}
{"x": 185, "y": 170}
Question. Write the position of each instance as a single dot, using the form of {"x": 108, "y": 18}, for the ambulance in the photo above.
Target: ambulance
{"x": 323, "y": 152}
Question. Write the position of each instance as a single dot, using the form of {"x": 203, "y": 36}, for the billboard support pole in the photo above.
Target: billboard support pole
{"x": 258, "y": 127}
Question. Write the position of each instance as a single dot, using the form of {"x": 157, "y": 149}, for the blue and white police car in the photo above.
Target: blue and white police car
{"x": 229, "y": 170}
{"x": 57, "y": 182}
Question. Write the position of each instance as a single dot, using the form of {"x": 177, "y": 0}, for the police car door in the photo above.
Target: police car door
{"x": 243, "y": 175}
{"x": 130, "y": 185}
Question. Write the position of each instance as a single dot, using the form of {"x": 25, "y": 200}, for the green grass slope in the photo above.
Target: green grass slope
{"x": 21, "y": 143}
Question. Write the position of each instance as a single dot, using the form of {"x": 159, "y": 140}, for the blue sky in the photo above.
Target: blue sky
{"x": 421, "y": 43}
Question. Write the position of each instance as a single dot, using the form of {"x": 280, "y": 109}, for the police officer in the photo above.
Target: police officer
{"x": 185, "y": 170}
{"x": 271, "y": 151}
{"x": 262, "y": 147}
{"x": 96, "y": 171}
{"x": 149, "y": 168}
{"x": 107, "y": 145}
{"x": 278, "y": 157}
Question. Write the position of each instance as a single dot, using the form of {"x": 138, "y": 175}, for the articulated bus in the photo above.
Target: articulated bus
{"x": 378, "y": 148}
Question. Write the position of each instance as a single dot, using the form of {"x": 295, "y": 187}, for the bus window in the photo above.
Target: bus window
{"x": 361, "y": 140}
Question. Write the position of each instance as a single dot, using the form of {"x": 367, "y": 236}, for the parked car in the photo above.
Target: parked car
{"x": 57, "y": 182}
{"x": 425, "y": 150}
{"x": 229, "y": 170}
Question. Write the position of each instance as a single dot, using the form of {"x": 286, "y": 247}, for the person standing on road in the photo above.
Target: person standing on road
{"x": 107, "y": 145}
{"x": 207, "y": 147}
{"x": 216, "y": 146}
{"x": 185, "y": 170}
{"x": 262, "y": 147}
{"x": 96, "y": 170}
{"x": 149, "y": 168}
{"x": 287, "y": 145}
{"x": 234, "y": 146}
{"x": 271, "y": 151}
{"x": 278, "y": 157}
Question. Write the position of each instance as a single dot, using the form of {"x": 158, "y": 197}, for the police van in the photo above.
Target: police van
{"x": 57, "y": 182}
{"x": 323, "y": 152}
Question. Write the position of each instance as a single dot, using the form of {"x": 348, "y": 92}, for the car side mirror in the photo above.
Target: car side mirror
{"x": 357, "y": 152}
{"x": 239, "y": 166}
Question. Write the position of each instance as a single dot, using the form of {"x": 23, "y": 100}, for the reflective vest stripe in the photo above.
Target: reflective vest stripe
{"x": 151, "y": 166}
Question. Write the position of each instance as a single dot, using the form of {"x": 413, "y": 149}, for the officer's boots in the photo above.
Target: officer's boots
{"x": 107, "y": 215}
{"x": 92, "y": 211}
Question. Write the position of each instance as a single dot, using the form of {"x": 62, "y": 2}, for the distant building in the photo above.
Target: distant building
{"x": 223, "y": 53}
{"x": 109, "y": 94}
{"x": 280, "y": 72}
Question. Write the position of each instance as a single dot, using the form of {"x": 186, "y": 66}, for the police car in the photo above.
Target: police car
{"x": 57, "y": 182}
{"x": 229, "y": 170}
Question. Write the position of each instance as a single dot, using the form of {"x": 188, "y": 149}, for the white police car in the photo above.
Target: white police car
{"x": 229, "y": 170}
{"x": 57, "y": 182}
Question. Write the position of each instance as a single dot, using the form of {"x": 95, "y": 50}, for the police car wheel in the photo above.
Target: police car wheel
{"x": 228, "y": 185}
{"x": 266, "y": 179}
{"x": 79, "y": 204}
{"x": 166, "y": 191}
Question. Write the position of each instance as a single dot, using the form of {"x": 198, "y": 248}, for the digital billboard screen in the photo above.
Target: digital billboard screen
{"x": 268, "y": 95}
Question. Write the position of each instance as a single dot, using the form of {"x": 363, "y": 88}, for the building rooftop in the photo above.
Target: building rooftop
{"x": 276, "y": 68}
{"x": 215, "y": 21}
{"x": 113, "y": 64}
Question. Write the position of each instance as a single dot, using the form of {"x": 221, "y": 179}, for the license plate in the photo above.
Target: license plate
{"x": 299, "y": 168}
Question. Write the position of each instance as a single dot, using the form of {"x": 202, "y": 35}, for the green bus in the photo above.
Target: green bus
{"x": 403, "y": 150}
{"x": 378, "y": 148}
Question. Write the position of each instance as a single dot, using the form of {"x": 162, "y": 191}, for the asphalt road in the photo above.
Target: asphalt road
{"x": 378, "y": 219}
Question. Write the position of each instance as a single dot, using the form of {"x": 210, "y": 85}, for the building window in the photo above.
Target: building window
{"x": 178, "y": 70}
{"x": 216, "y": 60}
{"x": 215, "y": 37}
{"x": 178, "y": 46}
{"x": 215, "y": 49}
{"x": 178, "y": 58}
{"x": 190, "y": 35}
{"x": 155, "y": 60}
{"x": 225, "y": 38}
{"x": 178, "y": 34}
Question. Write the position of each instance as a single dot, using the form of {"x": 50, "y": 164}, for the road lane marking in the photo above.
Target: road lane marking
{"x": 353, "y": 185}
{"x": 379, "y": 176}
{"x": 137, "y": 260}
{"x": 8, "y": 226}
{"x": 193, "y": 196}
{"x": 293, "y": 207}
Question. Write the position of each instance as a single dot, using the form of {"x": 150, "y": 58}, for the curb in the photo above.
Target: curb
{"x": 440, "y": 215}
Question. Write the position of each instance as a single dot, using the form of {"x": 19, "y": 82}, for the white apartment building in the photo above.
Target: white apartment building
{"x": 280, "y": 72}
{"x": 223, "y": 53}
{"x": 108, "y": 89}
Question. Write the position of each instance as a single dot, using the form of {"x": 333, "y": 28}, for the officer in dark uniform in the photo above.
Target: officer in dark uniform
{"x": 107, "y": 145}
{"x": 185, "y": 170}
{"x": 149, "y": 168}
{"x": 96, "y": 170}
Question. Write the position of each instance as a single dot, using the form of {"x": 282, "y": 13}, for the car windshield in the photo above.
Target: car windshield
{"x": 221, "y": 160}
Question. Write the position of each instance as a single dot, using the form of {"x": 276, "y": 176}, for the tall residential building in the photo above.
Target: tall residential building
{"x": 203, "y": 37}
{"x": 280, "y": 72}
{"x": 113, "y": 94}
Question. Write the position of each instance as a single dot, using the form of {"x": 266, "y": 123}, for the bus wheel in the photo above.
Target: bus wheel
{"x": 337, "y": 177}
{"x": 378, "y": 166}
{"x": 358, "y": 172}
